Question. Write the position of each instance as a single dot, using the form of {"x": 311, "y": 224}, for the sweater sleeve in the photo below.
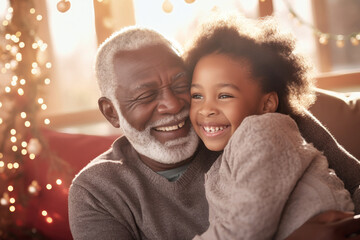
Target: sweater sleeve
{"x": 88, "y": 220}
{"x": 260, "y": 166}
{"x": 346, "y": 166}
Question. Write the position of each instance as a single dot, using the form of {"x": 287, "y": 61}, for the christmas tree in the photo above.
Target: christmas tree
{"x": 24, "y": 75}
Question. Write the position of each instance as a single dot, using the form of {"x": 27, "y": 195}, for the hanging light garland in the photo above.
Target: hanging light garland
{"x": 167, "y": 5}
{"x": 63, "y": 6}
{"x": 324, "y": 37}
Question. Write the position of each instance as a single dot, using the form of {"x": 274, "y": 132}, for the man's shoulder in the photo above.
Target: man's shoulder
{"x": 107, "y": 163}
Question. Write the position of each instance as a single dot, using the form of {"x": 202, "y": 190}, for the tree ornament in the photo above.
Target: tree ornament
{"x": 167, "y": 6}
{"x": 189, "y": 1}
{"x": 340, "y": 41}
{"x": 34, "y": 188}
{"x": 34, "y": 146}
{"x": 5, "y": 199}
{"x": 63, "y": 6}
{"x": 354, "y": 41}
{"x": 324, "y": 39}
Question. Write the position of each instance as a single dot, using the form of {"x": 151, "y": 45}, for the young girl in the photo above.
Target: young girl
{"x": 246, "y": 83}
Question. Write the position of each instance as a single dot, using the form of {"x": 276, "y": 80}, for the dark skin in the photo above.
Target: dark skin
{"x": 153, "y": 85}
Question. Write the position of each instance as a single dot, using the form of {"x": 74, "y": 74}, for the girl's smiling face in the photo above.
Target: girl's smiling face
{"x": 223, "y": 93}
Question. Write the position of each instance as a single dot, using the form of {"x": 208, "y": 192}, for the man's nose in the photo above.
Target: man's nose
{"x": 170, "y": 103}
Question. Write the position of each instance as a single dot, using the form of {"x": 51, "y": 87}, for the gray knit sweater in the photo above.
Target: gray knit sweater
{"x": 116, "y": 196}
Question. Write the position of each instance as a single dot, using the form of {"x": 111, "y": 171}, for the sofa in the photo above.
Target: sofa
{"x": 339, "y": 112}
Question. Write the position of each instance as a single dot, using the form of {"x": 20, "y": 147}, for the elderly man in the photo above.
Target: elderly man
{"x": 149, "y": 185}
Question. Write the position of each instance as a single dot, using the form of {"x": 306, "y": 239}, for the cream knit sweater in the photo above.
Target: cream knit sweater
{"x": 268, "y": 182}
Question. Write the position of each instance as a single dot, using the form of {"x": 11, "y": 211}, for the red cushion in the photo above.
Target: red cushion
{"x": 75, "y": 149}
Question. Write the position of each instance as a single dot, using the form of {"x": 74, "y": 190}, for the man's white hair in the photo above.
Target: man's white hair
{"x": 127, "y": 39}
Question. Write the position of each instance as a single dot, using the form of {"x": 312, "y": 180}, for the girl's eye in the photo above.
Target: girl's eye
{"x": 196, "y": 96}
{"x": 223, "y": 96}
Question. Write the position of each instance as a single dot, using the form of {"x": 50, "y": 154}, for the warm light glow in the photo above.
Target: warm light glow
{"x": 43, "y": 106}
{"x": 22, "y": 81}
{"x": 34, "y": 71}
{"x": 10, "y": 188}
{"x": 47, "y": 81}
{"x": 12, "y": 200}
{"x": 21, "y": 44}
{"x": 1, "y": 121}
{"x": 21, "y": 91}
{"x": 0, "y": 104}
{"x": 43, "y": 47}
{"x": 2, "y": 164}
{"x": 10, "y": 166}
{"x": 32, "y": 189}
{"x": 23, "y": 114}
{"x": 49, "y": 220}
{"x": 13, "y": 139}
{"x": 47, "y": 121}
{"x": 24, "y": 144}
{"x": 34, "y": 45}
{"x": 12, "y": 209}
{"x": 32, "y": 10}
{"x": 32, "y": 156}
{"x": 12, "y": 131}
{"x": 340, "y": 41}
{"x": 1, "y": 155}
{"x": 7, "y": 89}
{"x": 40, "y": 100}
{"x": 19, "y": 57}
{"x": 23, "y": 151}
{"x": 48, "y": 186}
{"x": 34, "y": 64}
{"x": 58, "y": 182}
{"x": 27, "y": 124}
{"x": 44, "y": 213}
{"x": 3, "y": 201}
{"x": 39, "y": 17}
{"x": 14, "y": 148}
{"x": 16, "y": 165}
{"x": 48, "y": 65}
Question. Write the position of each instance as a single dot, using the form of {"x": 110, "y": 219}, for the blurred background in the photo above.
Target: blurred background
{"x": 47, "y": 83}
{"x": 327, "y": 33}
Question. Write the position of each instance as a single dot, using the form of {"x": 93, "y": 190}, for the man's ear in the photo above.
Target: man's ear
{"x": 108, "y": 110}
{"x": 270, "y": 102}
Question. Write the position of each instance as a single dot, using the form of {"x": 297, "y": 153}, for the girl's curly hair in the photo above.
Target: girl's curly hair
{"x": 269, "y": 52}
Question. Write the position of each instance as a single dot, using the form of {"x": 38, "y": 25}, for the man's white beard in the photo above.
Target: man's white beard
{"x": 170, "y": 152}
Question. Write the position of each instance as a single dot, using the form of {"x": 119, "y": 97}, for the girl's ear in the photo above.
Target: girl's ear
{"x": 270, "y": 102}
{"x": 108, "y": 110}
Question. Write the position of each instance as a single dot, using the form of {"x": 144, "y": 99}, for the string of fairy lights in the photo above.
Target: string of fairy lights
{"x": 325, "y": 37}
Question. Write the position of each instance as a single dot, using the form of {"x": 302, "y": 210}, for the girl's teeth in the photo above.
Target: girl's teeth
{"x": 213, "y": 129}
